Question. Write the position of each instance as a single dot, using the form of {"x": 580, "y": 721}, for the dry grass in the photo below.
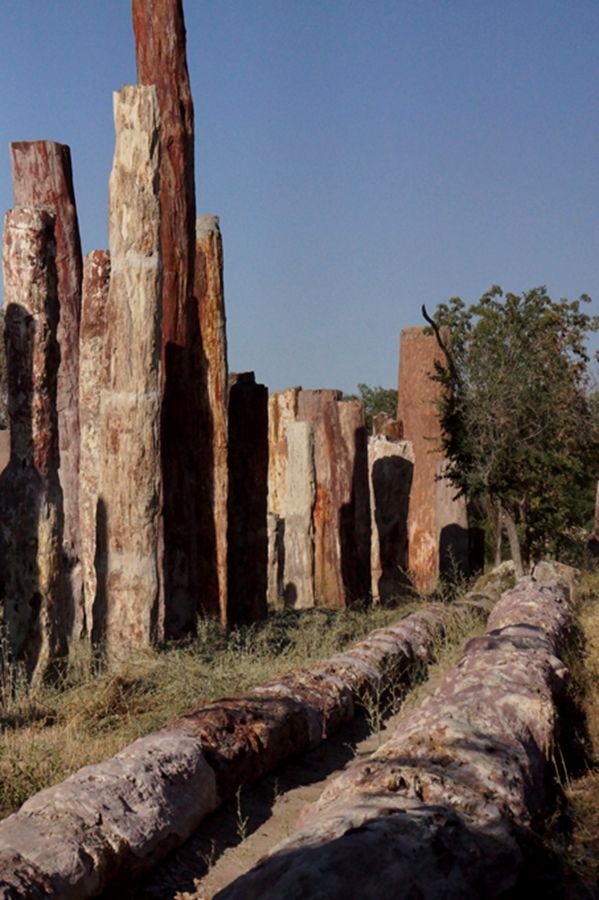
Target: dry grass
{"x": 49, "y": 733}
{"x": 581, "y": 849}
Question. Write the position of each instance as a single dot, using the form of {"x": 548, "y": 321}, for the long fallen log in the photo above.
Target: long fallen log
{"x": 447, "y": 806}
{"x": 121, "y": 816}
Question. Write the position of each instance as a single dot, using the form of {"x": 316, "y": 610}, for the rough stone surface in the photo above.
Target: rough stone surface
{"x": 390, "y": 465}
{"x": 341, "y": 518}
{"x": 33, "y": 590}
{"x": 4, "y": 448}
{"x": 384, "y": 425}
{"x": 213, "y": 421}
{"x": 93, "y": 379}
{"x": 298, "y": 534}
{"x": 282, "y": 409}
{"x": 114, "y": 819}
{"x": 446, "y": 806}
{"x": 248, "y": 486}
{"x": 417, "y": 412}
{"x": 42, "y": 177}
{"x": 127, "y": 518}
{"x": 161, "y": 61}
{"x": 107, "y": 821}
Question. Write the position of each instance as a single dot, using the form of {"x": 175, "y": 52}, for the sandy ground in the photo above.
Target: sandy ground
{"x": 235, "y": 837}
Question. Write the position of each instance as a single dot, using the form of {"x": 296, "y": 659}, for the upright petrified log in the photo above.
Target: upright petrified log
{"x": 341, "y": 517}
{"x": 33, "y": 589}
{"x": 248, "y": 473}
{"x": 282, "y": 410}
{"x": 127, "y": 558}
{"x": 212, "y": 436}
{"x": 298, "y": 536}
{"x": 161, "y": 61}
{"x": 390, "y": 464}
{"x": 93, "y": 379}
{"x": 434, "y": 516}
{"x": 42, "y": 177}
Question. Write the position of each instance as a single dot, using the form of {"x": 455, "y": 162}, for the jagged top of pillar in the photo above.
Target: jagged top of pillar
{"x": 207, "y": 224}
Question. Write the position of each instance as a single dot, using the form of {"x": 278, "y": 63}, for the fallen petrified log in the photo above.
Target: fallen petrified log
{"x": 119, "y": 817}
{"x": 447, "y": 806}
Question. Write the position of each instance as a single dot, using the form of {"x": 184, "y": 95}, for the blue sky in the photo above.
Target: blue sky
{"x": 364, "y": 157}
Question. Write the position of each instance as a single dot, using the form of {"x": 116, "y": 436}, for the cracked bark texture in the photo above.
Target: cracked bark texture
{"x": 159, "y": 30}
{"x": 42, "y": 177}
{"x": 35, "y": 598}
{"x": 127, "y": 605}
{"x": 94, "y": 368}
{"x": 282, "y": 410}
{"x": 448, "y": 806}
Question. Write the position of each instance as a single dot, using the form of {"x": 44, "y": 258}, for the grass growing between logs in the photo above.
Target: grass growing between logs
{"x": 579, "y": 846}
{"x": 48, "y": 733}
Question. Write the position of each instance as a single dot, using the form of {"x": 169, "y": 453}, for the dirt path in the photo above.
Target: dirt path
{"x": 235, "y": 837}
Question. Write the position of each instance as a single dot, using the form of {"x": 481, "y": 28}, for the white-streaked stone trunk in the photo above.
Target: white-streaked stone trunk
{"x": 129, "y": 603}
{"x": 93, "y": 379}
{"x": 282, "y": 410}
{"x": 300, "y": 497}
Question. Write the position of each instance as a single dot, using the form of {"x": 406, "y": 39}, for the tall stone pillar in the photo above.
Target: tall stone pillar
{"x": 161, "y": 61}
{"x": 42, "y": 177}
{"x": 248, "y": 474}
{"x": 213, "y": 418}
{"x": 341, "y": 517}
{"x": 93, "y": 380}
{"x": 434, "y": 516}
{"x": 300, "y": 496}
{"x": 32, "y": 584}
{"x": 282, "y": 410}
{"x": 390, "y": 464}
{"x": 127, "y": 608}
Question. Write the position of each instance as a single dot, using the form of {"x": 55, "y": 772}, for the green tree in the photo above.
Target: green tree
{"x": 376, "y": 399}
{"x": 518, "y": 426}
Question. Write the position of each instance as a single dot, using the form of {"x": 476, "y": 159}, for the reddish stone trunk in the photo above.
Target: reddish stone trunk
{"x": 42, "y": 177}
{"x": 34, "y": 596}
{"x": 94, "y": 367}
{"x": 437, "y": 524}
{"x": 161, "y": 61}
{"x": 341, "y": 517}
{"x": 248, "y": 474}
{"x": 213, "y": 418}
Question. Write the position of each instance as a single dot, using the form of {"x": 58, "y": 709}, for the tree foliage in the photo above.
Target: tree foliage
{"x": 376, "y": 399}
{"x": 518, "y": 426}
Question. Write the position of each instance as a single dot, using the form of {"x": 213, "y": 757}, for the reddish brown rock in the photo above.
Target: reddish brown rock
{"x": 390, "y": 464}
{"x": 4, "y": 448}
{"x": 248, "y": 476}
{"x": 127, "y": 607}
{"x": 435, "y": 519}
{"x": 213, "y": 422}
{"x": 451, "y": 804}
{"x": 161, "y": 61}
{"x": 341, "y": 518}
{"x": 282, "y": 410}
{"x": 94, "y": 368}
{"x": 33, "y": 589}
{"x": 386, "y": 426}
{"x": 42, "y": 177}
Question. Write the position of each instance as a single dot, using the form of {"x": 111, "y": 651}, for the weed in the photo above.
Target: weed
{"x": 241, "y": 821}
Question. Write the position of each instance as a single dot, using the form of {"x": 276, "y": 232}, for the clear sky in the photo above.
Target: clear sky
{"x": 364, "y": 157}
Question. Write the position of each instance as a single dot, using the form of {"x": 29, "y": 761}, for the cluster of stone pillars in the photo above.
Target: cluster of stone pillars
{"x": 115, "y": 503}
{"x": 135, "y": 498}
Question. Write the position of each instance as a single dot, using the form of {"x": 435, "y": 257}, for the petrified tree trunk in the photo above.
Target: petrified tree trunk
{"x": 418, "y": 396}
{"x": 42, "y": 177}
{"x": 300, "y": 496}
{"x": 34, "y": 595}
{"x": 213, "y": 423}
{"x": 341, "y": 511}
{"x": 390, "y": 464}
{"x": 128, "y": 591}
{"x": 248, "y": 474}
{"x": 282, "y": 410}
{"x": 93, "y": 379}
{"x": 161, "y": 61}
